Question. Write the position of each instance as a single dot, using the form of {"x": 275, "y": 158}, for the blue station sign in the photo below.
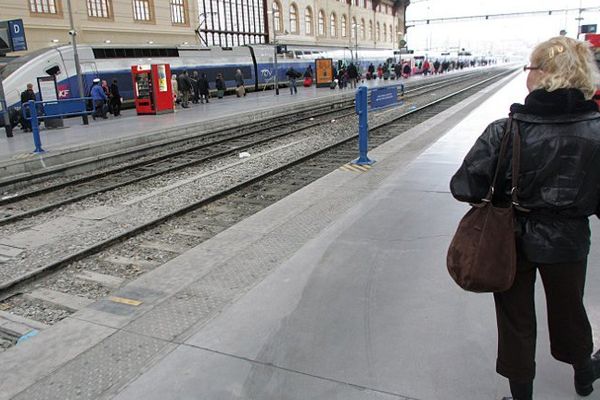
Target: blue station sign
{"x": 384, "y": 97}
{"x": 16, "y": 32}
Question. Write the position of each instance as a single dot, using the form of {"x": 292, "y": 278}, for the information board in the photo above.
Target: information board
{"x": 384, "y": 97}
{"x": 324, "y": 71}
{"x": 47, "y": 88}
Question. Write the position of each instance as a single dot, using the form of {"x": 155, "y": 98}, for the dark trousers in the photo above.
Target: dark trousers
{"x": 100, "y": 109}
{"x": 115, "y": 104}
{"x": 568, "y": 325}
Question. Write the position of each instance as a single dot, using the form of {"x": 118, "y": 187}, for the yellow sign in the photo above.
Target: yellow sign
{"x": 162, "y": 78}
{"x": 324, "y": 69}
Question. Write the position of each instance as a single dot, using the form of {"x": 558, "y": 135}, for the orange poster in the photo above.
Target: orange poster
{"x": 323, "y": 66}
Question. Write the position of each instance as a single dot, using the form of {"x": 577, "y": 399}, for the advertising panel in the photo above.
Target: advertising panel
{"x": 324, "y": 72}
{"x": 162, "y": 78}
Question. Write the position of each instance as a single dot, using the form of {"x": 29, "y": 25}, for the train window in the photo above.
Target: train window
{"x": 133, "y": 53}
{"x": 55, "y": 70}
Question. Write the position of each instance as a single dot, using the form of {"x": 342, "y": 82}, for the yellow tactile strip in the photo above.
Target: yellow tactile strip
{"x": 355, "y": 168}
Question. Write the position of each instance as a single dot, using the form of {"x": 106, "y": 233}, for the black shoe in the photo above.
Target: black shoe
{"x": 586, "y": 374}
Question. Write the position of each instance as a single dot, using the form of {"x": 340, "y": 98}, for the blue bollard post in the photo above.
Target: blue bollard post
{"x": 363, "y": 127}
{"x": 35, "y": 129}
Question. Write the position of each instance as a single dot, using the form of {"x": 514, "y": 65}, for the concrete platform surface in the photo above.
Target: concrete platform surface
{"x": 339, "y": 291}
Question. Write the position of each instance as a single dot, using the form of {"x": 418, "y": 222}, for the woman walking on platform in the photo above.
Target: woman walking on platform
{"x": 558, "y": 189}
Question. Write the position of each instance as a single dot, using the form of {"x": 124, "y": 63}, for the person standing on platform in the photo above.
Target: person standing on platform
{"x": 115, "y": 98}
{"x": 203, "y": 88}
{"x": 308, "y": 76}
{"x": 99, "y": 98}
{"x": 426, "y": 67}
{"x": 107, "y": 93}
{"x": 292, "y": 75}
{"x": 239, "y": 83}
{"x": 406, "y": 70}
{"x": 436, "y": 67}
{"x": 558, "y": 190}
{"x": 352, "y": 75}
{"x": 184, "y": 83}
{"x": 371, "y": 71}
{"x": 196, "y": 88}
{"x": 379, "y": 71}
{"x": 27, "y": 95}
{"x": 220, "y": 86}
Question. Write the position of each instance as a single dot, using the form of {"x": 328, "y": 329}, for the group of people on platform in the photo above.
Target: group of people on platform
{"x": 106, "y": 99}
{"x": 196, "y": 88}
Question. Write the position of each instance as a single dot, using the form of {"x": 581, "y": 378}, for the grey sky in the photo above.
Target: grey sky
{"x": 515, "y": 34}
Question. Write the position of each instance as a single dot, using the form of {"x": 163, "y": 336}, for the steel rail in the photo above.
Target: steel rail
{"x": 7, "y": 288}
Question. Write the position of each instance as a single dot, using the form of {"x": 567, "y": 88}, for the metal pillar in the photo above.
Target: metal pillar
{"x": 276, "y": 81}
{"x": 361, "y": 106}
{"x": 73, "y": 34}
{"x": 35, "y": 129}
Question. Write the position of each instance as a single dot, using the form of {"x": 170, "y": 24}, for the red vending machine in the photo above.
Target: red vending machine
{"x": 152, "y": 89}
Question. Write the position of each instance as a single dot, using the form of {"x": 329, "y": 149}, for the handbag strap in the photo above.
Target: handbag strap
{"x": 501, "y": 154}
{"x": 516, "y": 163}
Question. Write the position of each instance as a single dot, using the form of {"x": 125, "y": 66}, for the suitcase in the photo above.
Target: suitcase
{"x": 220, "y": 93}
{"x": 307, "y": 82}
{"x": 241, "y": 91}
{"x": 332, "y": 85}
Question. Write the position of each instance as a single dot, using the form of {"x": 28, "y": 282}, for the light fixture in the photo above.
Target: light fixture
{"x": 54, "y": 40}
{"x": 107, "y": 41}
{"x": 150, "y": 42}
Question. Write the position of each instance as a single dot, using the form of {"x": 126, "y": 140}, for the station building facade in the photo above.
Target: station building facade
{"x": 340, "y": 23}
{"x": 226, "y": 23}
{"x": 104, "y": 21}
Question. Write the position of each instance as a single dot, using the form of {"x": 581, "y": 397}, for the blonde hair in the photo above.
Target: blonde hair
{"x": 566, "y": 63}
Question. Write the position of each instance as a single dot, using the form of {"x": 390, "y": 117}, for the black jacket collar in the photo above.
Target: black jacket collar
{"x": 560, "y": 102}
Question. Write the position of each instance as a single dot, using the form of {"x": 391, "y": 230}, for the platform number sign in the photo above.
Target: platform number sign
{"x": 17, "y": 35}
{"x": 12, "y": 36}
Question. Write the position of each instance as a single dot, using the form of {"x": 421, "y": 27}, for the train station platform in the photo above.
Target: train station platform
{"x": 113, "y": 138}
{"x": 339, "y": 291}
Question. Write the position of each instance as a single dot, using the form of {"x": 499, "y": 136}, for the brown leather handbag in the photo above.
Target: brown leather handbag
{"x": 483, "y": 256}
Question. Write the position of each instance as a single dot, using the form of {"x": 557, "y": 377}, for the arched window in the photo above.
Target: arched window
{"x": 362, "y": 29}
{"x": 308, "y": 21}
{"x": 354, "y": 28}
{"x": 332, "y": 25}
{"x": 378, "y": 32}
{"x": 294, "y": 28}
{"x": 384, "y": 32}
{"x": 370, "y": 30}
{"x": 344, "y": 28}
{"x": 364, "y": 3}
{"x": 277, "y": 19}
{"x": 321, "y": 23}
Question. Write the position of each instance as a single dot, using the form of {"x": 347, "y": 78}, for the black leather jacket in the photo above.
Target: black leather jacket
{"x": 559, "y": 181}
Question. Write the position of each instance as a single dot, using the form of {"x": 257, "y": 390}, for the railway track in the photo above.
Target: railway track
{"x": 47, "y": 197}
{"x": 92, "y": 272}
